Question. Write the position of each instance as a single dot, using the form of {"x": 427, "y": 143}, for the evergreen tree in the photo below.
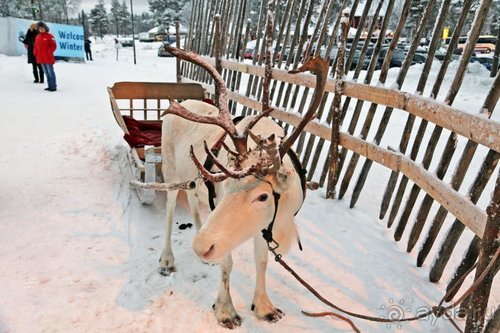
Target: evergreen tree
{"x": 166, "y": 12}
{"x": 58, "y": 11}
{"x": 115, "y": 15}
{"x": 125, "y": 19}
{"x": 98, "y": 19}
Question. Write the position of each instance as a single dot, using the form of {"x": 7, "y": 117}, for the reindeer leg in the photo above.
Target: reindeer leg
{"x": 167, "y": 256}
{"x": 193, "y": 205}
{"x": 261, "y": 305}
{"x": 223, "y": 307}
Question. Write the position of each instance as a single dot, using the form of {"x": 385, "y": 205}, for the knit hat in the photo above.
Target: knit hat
{"x": 43, "y": 25}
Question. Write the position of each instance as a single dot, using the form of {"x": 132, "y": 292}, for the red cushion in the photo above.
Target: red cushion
{"x": 142, "y": 133}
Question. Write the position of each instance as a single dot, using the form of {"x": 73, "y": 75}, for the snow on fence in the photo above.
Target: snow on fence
{"x": 287, "y": 37}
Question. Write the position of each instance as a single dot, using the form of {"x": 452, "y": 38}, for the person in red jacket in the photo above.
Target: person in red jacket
{"x": 45, "y": 45}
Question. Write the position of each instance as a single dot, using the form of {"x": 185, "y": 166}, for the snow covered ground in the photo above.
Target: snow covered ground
{"x": 79, "y": 253}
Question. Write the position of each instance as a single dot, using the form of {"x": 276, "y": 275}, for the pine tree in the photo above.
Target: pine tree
{"x": 99, "y": 19}
{"x": 125, "y": 19}
{"x": 115, "y": 15}
{"x": 166, "y": 12}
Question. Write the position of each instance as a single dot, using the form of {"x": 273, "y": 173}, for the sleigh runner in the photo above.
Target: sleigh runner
{"x": 137, "y": 108}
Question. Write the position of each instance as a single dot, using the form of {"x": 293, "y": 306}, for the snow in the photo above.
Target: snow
{"x": 79, "y": 253}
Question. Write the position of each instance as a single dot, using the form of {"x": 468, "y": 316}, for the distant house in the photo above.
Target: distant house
{"x": 371, "y": 13}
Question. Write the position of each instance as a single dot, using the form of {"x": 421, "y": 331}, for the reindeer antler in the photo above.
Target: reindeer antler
{"x": 318, "y": 66}
{"x": 224, "y": 119}
{"x": 270, "y": 164}
{"x": 220, "y": 176}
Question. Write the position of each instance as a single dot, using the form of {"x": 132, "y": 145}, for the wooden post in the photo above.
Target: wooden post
{"x": 487, "y": 168}
{"x": 360, "y": 29}
{"x": 467, "y": 262}
{"x": 242, "y": 58}
{"x": 373, "y": 107}
{"x": 334, "y": 154}
{"x": 451, "y": 144}
{"x": 383, "y": 73}
{"x": 391, "y": 183}
{"x": 178, "y": 45}
{"x": 493, "y": 325}
{"x": 268, "y": 66}
{"x": 489, "y": 246}
{"x": 294, "y": 49}
{"x": 217, "y": 49}
{"x": 359, "y": 104}
{"x": 457, "y": 179}
{"x": 494, "y": 65}
{"x": 420, "y": 88}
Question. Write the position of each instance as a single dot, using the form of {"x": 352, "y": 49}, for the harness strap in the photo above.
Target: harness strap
{"x": 268, "y": 233}
{"x": 210, "y": 186}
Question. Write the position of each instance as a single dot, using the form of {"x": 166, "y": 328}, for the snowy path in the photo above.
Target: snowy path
{"x": 79, "y": 253}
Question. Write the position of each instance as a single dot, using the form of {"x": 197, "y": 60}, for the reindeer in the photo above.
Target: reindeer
{"x": 256, "y": 183}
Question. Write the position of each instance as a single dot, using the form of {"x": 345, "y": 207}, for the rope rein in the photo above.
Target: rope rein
{"x": 438, "y": 310}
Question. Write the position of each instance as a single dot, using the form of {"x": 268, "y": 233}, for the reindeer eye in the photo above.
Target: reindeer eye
{"x": 262, "y": 197}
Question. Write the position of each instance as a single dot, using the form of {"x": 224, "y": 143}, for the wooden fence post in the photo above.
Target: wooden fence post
{"x": 494, "y": 66}
{"x": 217, "y": 52}
{"x": 334, "y": 152}
{"x": 178, "y": 45}
{"x": 493, "y": 325}
{"x": 489, "y": 245}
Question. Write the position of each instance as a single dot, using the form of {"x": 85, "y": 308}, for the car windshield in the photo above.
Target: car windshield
{"x": 399, "y": 56}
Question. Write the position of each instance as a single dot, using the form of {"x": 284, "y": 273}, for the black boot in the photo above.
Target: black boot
{"x": 40, "y": 70}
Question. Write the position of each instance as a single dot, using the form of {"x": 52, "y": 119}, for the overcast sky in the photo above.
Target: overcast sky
{"x": 139, "y": 5}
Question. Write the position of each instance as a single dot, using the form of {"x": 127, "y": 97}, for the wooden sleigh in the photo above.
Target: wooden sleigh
{"x": 137, "y": 108}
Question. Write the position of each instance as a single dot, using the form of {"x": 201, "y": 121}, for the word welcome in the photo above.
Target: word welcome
{"x": 70, "y": 45}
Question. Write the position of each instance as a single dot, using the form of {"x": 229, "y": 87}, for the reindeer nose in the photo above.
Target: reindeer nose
{"x": 209, "y": 252}
{"x": 203, "y": 249}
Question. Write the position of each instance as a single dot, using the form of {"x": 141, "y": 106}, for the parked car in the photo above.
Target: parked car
{"x": 332, "y": 55}
{"x": 162, "y": 52}
{"x": 126, "y": 41}
{"x": 438, "y": 54}
{"x": 248, "y": 54}
{"x": 486, "y": 61}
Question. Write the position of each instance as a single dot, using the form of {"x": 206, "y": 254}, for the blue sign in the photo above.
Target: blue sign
{"x": 69, "y": 38}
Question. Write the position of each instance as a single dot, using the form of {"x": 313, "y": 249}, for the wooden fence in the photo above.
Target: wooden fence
{"x": 287, "y": 29}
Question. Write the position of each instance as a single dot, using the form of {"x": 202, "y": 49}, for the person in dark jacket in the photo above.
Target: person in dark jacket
{"x": 29, "y": 43}
{"x": 88, "y": 51}
{"x": 45, "y": 45}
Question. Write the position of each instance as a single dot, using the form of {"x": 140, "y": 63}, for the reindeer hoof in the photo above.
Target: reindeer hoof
{"x": 271, "y": 317}
{"x": 231, "y": 322}
{"x": 166, "y": 271}
{"x": 274, "y": 316}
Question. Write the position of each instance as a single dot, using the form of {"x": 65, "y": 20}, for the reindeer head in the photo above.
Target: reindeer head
{"x": 251, "y": 171}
